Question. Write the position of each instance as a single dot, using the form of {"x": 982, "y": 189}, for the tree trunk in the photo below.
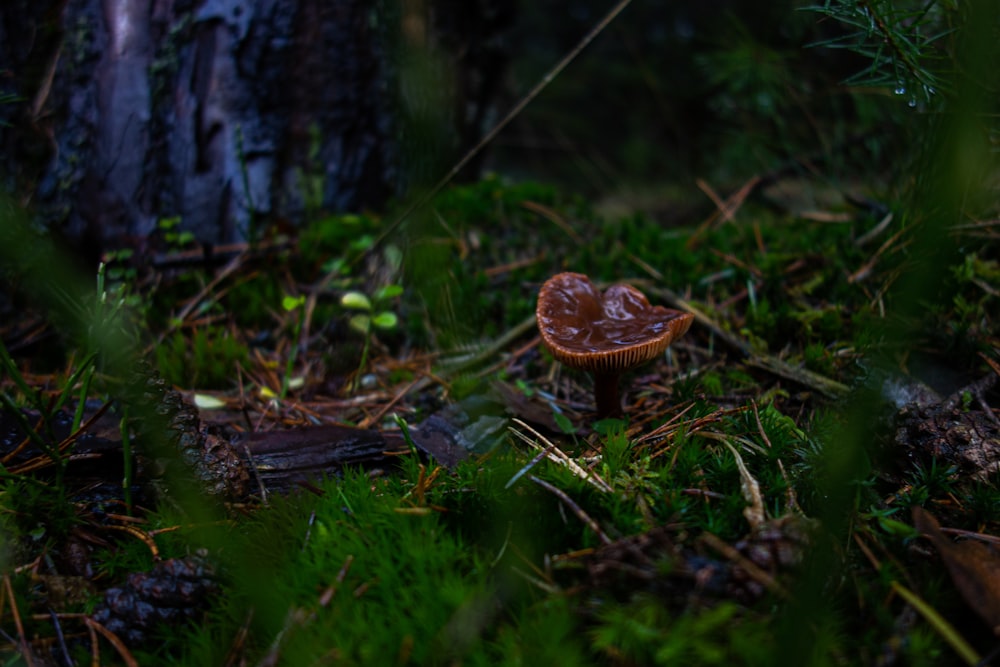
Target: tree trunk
{"x": 234, "y": 114}
{"x": 226, "y": 113}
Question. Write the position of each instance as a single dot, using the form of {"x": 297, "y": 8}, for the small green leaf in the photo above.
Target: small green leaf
{"x": 362, "y": 243}
{"x": 355, "y": 300}
{"x": 290, "y": 303}
{"x": 361, "y": 323}
{"x": 385, "y": 320}
{"x": 564, "y": 424}
{"x": 387, "y": 292}
{"x": 335, "y": 265}
{"x": 897, "y": 528}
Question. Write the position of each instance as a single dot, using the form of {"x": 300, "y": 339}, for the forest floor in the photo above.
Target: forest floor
{"x": 774, "y": 493}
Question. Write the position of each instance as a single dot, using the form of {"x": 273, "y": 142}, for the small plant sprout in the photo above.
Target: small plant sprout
{"x": 176, "y": 238}
{"x": 617, "y": 446}
{"x": 117, "y": 278}
{"x": 292, "y": 304}
{"x": 372, "y": 314}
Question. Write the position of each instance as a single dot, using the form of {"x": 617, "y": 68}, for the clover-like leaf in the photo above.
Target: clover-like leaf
{"x": 386, "y": 320}
{"x": 290, "y": 303}
{"x": 361, "y": 323}
{"x": 356, "y": 300}
{"x": 387, "y": 292}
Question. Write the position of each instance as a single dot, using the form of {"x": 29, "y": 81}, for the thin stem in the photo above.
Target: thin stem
{"x": 606, "y": 394}
{"x": 127, "y": 477}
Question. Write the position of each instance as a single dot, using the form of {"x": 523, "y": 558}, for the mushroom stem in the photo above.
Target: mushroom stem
{"x": 606, "y": 396}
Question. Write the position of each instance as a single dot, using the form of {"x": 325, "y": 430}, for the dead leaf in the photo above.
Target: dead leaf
{"x": 974, "y": 568}
{"x": 754, "y": 511}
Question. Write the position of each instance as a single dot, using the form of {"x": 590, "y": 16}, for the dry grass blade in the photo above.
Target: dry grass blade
{"x": 556, "y": 455}
{"x": 83, "y": 428}
{"x": 772, "y": 364}
{"x": 127, "y": 658}
{"x": 22, "y": 446}
{"x": 327, "y": 596}
{"x": 230, "y": 268}
{"x": 724, "y": 209}
{"x": 760, "y": 426}
{"x": 236, "y": 656}
{"x": 866, "y": 269}
{"x": 524, "y": 262}
{"x": 874, "y": 232}
{"x": 140, "y": 535}
{"x": 690, "y": 426}
{"x": 529, "y": 465}
{"x": 553, "y": 216}
{"x": 550, "y": 76}
{"x": 943, "y": 627}
{"x": 754, "y": 512}
{"x": 668, "y": 427}
{"x": 9, "y": 595}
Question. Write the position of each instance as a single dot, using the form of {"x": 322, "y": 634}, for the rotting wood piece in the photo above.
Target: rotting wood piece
{"x": 279, "y": 459}
{"x": 286, "y": 458}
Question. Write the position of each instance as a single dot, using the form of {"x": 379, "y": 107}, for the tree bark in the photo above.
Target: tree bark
{"x": 234, "y": 114}
{"x": 226, "y": 113}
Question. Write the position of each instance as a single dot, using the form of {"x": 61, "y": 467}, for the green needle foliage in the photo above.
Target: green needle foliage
{"x": 906, "y": 41}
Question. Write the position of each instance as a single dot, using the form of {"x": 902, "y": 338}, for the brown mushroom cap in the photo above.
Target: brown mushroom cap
{"x": 606, "y": 333}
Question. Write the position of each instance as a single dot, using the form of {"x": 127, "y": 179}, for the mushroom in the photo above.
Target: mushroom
{"x": 605, "y": 334}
